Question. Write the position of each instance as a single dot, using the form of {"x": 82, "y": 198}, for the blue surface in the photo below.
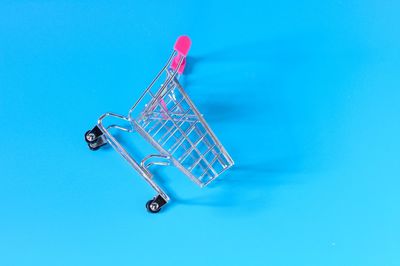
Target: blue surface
{"x": 303, "y": 94}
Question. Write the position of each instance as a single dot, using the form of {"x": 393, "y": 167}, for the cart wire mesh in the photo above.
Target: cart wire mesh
{"x": 173, "y": 125}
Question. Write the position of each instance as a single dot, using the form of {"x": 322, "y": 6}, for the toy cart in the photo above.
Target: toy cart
{"x": 165, "y": 116}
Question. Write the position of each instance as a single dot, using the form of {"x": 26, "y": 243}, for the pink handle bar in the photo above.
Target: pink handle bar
{"x": 182, "y": 47}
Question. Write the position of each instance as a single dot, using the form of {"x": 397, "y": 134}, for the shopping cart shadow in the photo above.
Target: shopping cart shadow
{"x": 222, "y": 112}
{"x": 248, "y": 184}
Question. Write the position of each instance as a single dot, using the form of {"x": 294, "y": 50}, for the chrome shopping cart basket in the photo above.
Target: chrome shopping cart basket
{"x": 165, "y": 116}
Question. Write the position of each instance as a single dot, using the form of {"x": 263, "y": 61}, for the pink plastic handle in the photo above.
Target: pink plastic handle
{"x": 175, "y": 63}
{"x": 182, "y": 45}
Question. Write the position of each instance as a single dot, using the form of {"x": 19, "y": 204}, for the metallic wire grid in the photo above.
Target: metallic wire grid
{"x": 172, "y": 122}
{"x": 165, "y": 116}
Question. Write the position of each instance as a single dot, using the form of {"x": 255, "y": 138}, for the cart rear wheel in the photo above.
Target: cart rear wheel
{"x": 153, "y": 206}
{"x": 94, "y": 140}
{"x": 89, "y": 137}
{"x": 94, "y": 146}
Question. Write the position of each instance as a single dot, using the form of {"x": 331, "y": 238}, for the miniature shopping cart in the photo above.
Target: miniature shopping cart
{"x": 165, "y": 116}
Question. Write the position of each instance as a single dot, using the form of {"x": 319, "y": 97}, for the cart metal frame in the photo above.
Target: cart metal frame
{"x": 171, "y": 123}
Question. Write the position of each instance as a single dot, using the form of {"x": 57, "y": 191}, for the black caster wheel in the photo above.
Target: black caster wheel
{"x": 89, "y": 137}
{"x": 153, "y": 206}
{"x": 94, "y": 138}
{"x": 94, "y": 146}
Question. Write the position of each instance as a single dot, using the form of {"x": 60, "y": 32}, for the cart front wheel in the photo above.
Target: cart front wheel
{"x": 89, "y": 137}
{"x": 153, "y": 206}
{"x": 94, "y": 139}
{"x": 94, "y": 146}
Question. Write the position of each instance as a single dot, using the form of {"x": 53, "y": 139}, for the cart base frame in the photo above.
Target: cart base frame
{"x": 100, "y": 135}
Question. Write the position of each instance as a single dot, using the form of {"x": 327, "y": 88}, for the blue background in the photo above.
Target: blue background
{"x": 303, "y": 94}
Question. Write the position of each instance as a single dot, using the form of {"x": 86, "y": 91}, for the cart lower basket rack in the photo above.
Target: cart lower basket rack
{"x": 165, "y": 116}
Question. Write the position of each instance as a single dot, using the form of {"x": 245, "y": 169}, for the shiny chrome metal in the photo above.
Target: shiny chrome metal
{"x": 166, "y": 117}
{"x": 91, "y": 137}
{"x": 154, "y": 206}
{"x": 151, "y": 156}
